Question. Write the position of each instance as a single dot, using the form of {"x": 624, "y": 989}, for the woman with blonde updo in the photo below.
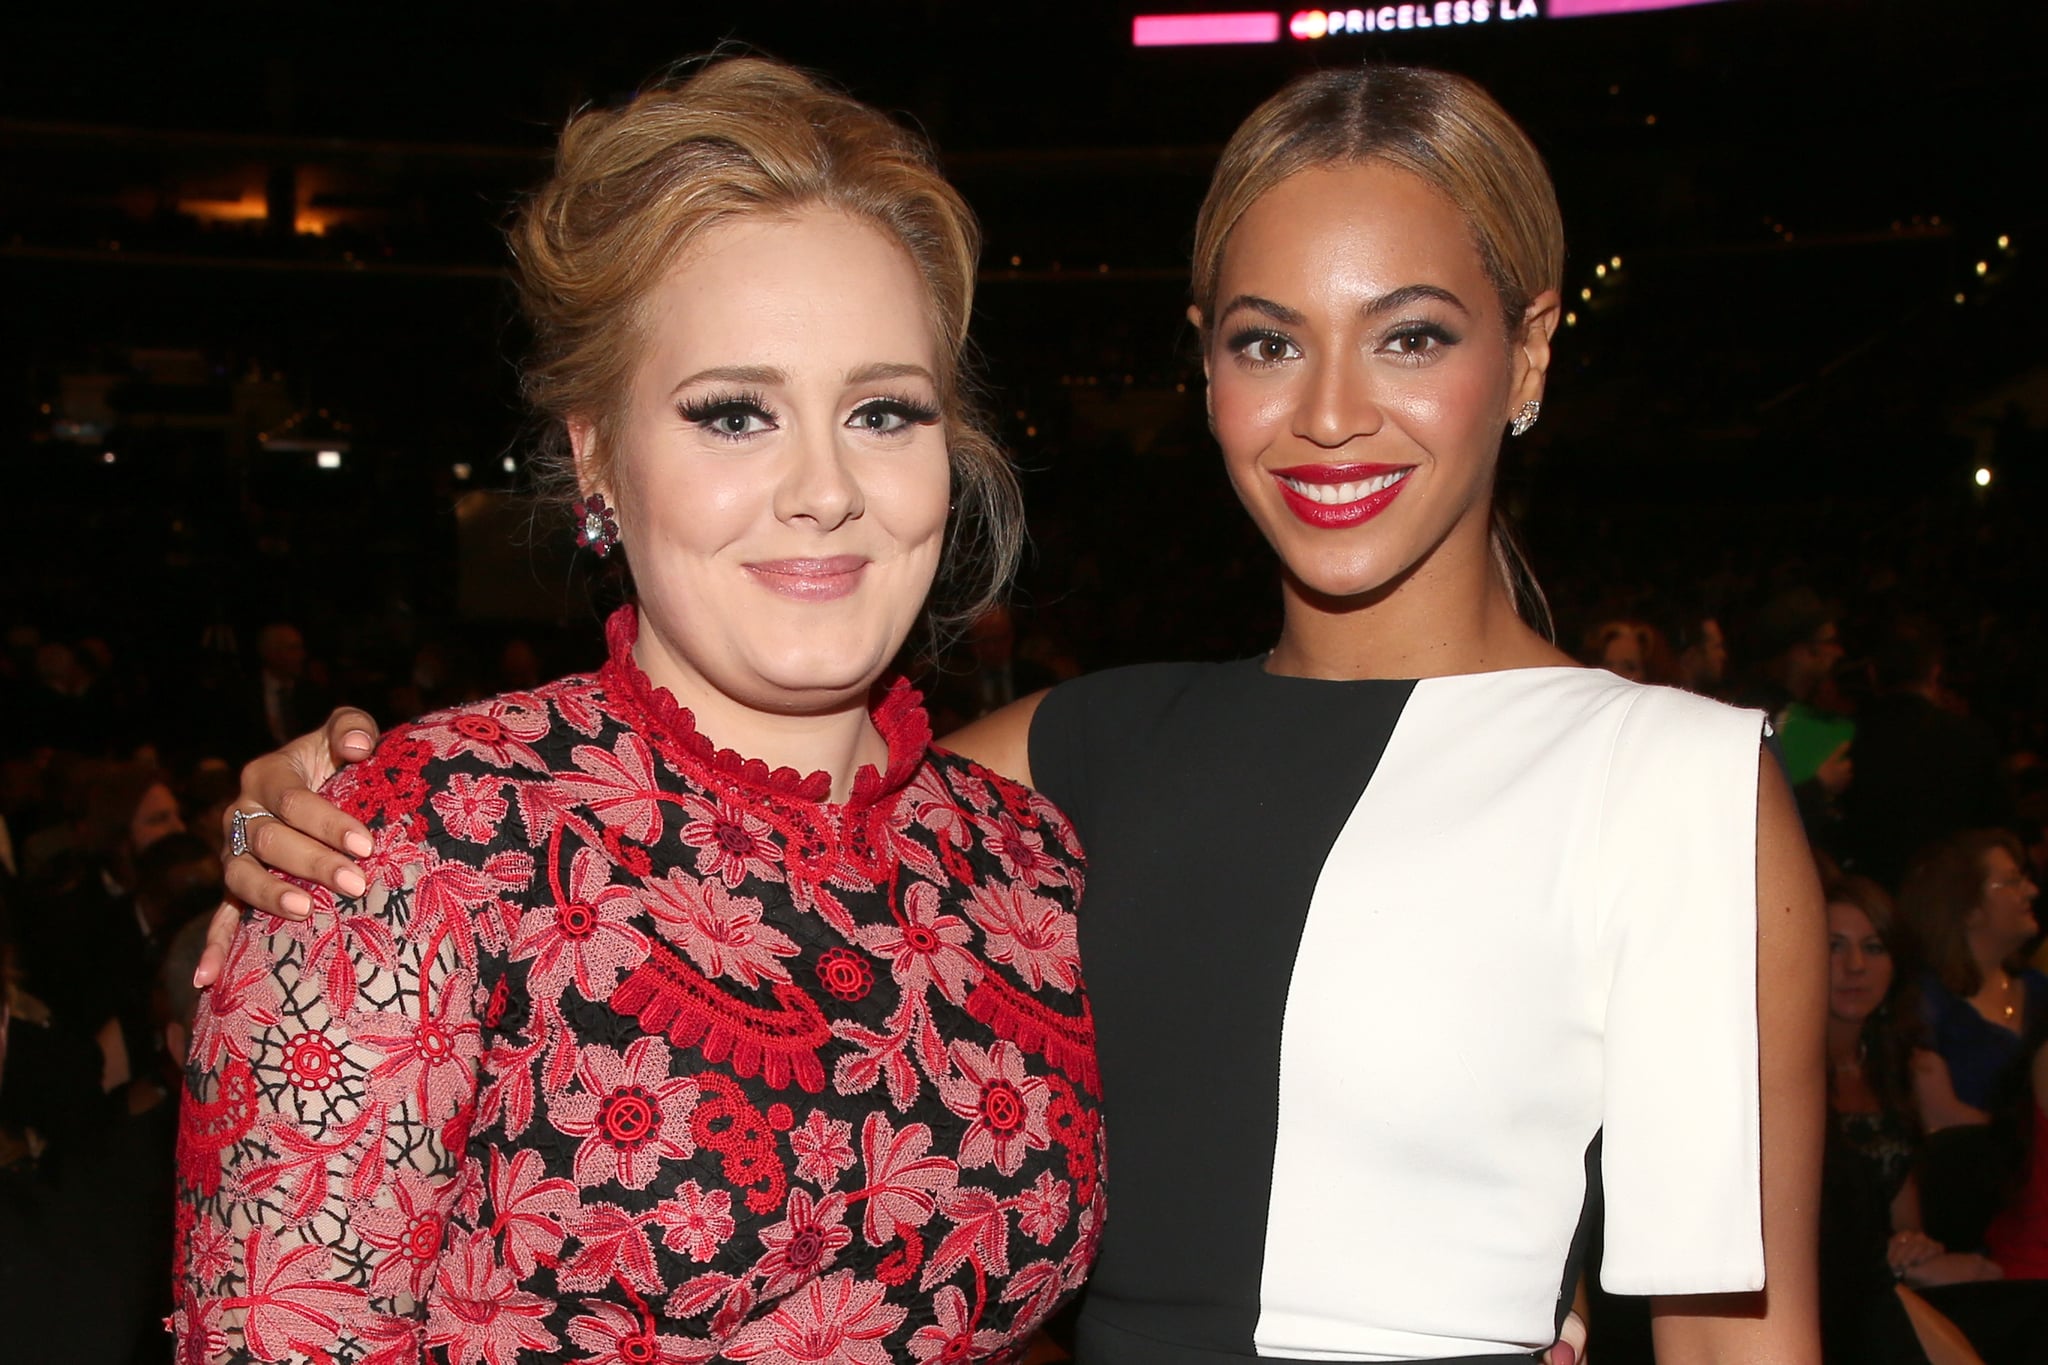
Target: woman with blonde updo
{"x": 1386, "y": 925}
{"x": 696, "y": 1006}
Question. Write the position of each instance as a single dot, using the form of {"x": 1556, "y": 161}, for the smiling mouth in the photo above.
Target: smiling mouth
{"x": 810, "y": 580}
{"x": 1337, "y": 494}
{"x": 1333, "y": 497}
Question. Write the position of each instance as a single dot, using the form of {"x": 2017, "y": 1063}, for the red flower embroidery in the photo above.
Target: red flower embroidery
{"x": 845, "y": 974}
{"x": 311, "y": 1062}
{"x": 631, "y": 1114}
{"x": 291, "y": 1304}
{"x": 528, "y": 1209}
{"x": 500, "y": 731}
{"x": 904, "y": 1181}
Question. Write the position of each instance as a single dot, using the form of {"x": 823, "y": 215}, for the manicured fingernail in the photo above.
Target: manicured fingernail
{"x": 349, "y": 882}
{"x": 1564, "y": 1354}
{"x": 358, "y": 843}
{"x": 295, "y": 903}
{"x": 356, "y": 739}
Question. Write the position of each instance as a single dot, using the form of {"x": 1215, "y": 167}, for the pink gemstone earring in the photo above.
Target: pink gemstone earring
{"x": 596, "y": 528}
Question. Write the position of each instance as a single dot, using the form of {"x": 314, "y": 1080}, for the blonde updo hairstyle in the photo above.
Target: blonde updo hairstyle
{"x": 1448, "y": 133}
{"x": 633, "y": 187}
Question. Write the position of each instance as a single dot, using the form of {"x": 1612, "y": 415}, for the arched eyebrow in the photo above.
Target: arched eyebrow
{"x": 1278, "y": 312}
{"x": 1391, "y": 301}
{"x": 1413, "y": 293}
{"x": 880, "y": 370}
{"x": 761, "y": 375}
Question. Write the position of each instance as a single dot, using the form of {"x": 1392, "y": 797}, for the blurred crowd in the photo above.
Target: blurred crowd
{"x": 1900, "y": 664}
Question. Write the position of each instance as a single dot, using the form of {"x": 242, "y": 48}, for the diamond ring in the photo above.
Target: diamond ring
{"x": 238, "y": 828}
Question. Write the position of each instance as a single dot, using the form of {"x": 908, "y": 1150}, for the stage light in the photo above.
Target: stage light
{"x": 1601, "y": 270}
{"x": 328, "y": 459}
{"x": 1571, "y": 319}
{"x": 1983, "y": 267}
{"x": 106, "y": 457}
{"x": 1585, "y": 294}
{"x": 1959, "y": 300}
{"x": 2004, "y": 242}
{"x": 509, "y": 465}
{"x": 462, "y": 469}
{"x": 1614, "y": 261}
{"x": 1983, "y": 477}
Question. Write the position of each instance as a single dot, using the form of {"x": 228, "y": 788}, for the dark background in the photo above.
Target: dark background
{"x": 1778, "y": 382}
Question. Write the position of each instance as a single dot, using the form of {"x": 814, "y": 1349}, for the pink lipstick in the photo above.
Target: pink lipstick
{"x": 1333, "y": 496}
{"x": 810, "y": 580}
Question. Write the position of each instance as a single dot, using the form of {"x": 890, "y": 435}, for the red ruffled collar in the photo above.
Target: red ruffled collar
{"x": 899, "y": 715}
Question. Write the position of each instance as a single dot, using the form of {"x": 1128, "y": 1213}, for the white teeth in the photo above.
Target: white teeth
{"x": 1337, "y": 494}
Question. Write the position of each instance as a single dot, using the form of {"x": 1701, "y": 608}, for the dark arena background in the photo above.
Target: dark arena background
{"x": 258, "y": 399}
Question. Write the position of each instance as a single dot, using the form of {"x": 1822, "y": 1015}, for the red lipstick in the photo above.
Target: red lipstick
{"x": 810, "y": 580}
{"x": 1358, "y": 492}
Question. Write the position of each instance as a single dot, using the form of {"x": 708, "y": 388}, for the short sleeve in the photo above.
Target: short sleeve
{"x": 1681, "y": 1154}
{"x": 1059, "y": 747}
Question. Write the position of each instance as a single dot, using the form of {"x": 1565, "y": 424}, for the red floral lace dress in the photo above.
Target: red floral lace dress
{"x": 636, "y": 1053}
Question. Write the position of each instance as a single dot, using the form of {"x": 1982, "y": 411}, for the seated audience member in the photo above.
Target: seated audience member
{"x": 1891, "y": 1292}
{"x": 1700, "y": 655}
{"x": 1969, "y": 904}
{"x": 1923, "y": 771}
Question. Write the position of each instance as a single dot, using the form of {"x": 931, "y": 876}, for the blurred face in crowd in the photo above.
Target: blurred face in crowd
{"x": 1707, "y": 658}
{"x": 283, "y": 651}
{"x": 1622, "y": 652}
{"x": 2004, "y": 918}
{"x": 1859, "y": 964}
{"x": 1361, "y": 375}
{"x": 1813, "y": 660}
{"x": 781, "y": 477}
{"x": 155, "y": 816}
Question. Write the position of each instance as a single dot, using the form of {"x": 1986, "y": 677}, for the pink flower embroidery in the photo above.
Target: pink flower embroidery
{"x": 804, "y": 1244}
{"x": 697, "y": 1222}
{"x": 1031, "y": 934}
{"x": 1004, "y": 1101}
{"x": 732, "y": 843}
{"x": 478, "y": 1310}
{"x": 823, "y": 1147}
{"x": 587, "y": 940}
{"x": 722, "y": 933}
{"x": 927, "y": 948}
{"x": 409, "y": 1232}
{"x": 951, "y": 1336}
{"x": 615, "y": 1336}
{"x": 1042, "y": 1210}
{"x": 838, "y": 1319}
{"x": 472, "y": 807}
{"x": 631, "y": 1114}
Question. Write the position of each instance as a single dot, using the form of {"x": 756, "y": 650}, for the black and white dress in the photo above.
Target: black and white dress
{"x": 1373, "y": 963}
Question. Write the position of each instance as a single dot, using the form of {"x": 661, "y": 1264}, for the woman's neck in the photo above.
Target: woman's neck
{"x": 837, "y": 739}
{"x": 1436, "y": 620}
{"x": 1845, "y": 1041}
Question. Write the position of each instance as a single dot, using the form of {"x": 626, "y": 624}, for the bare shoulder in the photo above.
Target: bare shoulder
{"x": 1001, "y": 740}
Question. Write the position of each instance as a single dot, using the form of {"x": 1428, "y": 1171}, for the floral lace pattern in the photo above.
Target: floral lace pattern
{"x": 636, "y": 1052}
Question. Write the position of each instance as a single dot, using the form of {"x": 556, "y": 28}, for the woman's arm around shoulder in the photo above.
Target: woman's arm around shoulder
{"x": 1001, "y": 740}
{"x": 1779, "y": 1325}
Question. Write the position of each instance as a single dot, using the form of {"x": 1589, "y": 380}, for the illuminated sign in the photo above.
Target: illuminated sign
{"x": 1189, "y": 30}
{"x": 1319, "y": 23}
{"x": 1197, "y": 30}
